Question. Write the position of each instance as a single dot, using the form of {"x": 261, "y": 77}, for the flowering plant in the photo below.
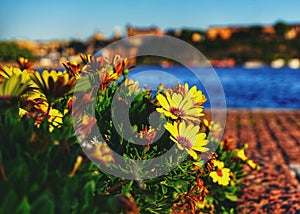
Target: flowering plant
{"x": 46, "y": 167}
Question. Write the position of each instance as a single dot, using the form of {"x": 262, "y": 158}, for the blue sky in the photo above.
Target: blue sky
{"x": 66, "y": 19}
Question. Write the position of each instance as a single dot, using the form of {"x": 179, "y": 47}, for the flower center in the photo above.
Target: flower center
{"x": 176, "y": 111}
{"x": 219, "y": 172}
{"x": 184, "y": 142}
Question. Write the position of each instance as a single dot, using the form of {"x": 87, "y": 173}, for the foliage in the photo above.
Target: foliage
{"x": 46, "y": 168}
{"x": 78, "y": 46}
{"x": 246, "y": 48}
{"x": 9, "y": 51}
{"x": 281, "y": 28}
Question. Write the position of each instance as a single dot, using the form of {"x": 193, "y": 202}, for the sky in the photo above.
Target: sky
{"x": 66, "y": 19}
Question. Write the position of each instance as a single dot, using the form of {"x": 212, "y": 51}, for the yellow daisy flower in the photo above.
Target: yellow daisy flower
{"x": 54, "y": 117}
{"x": 221, "y": 175}
{"x": 178, "y": 107}
{"x": 53, "y": 84}
{"x": 12, "y": 86}
{"x": 196, "y": 95}
{"x": 7, "y": 72}
{"x": 187, "y": 137}
{"x": 10, "y": 91}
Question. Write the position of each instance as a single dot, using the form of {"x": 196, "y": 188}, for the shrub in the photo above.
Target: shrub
{"x": 48, "y": 138}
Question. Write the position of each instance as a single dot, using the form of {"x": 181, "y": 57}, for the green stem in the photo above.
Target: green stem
{"x": 118, "y": 185}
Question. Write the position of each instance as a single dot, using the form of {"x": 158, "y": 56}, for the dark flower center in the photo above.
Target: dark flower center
{"x": 184, "y": 142}
{"x": 219, "y": 172}
{"x": 177, "y": 112}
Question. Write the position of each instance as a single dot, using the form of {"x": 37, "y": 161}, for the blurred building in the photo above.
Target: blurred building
{"x": 131, "y": 31}
{"x": 293, "y": 32}
{"x": 29, "y": 45}
{"x": 226, "y": 32}
{"x": 223, "y": 33}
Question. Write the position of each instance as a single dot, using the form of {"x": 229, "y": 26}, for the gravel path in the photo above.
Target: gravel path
{"x": 274, "y": 143}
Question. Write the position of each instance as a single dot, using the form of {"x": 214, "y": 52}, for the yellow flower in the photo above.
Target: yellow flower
{"x": 34, "y": 100}
{"x": 241, "y": 154}
{"x": 86, "y": 58}
{"x": 132, "y": 85}
{"x": 25, "y": 64}
{"x": 252, "y": 164}
{"x": 178, "y": 107}
{"x": 196, "y": 95}
{"x": 187, "y": 137}
{"x": 7, "y": 72}
{"x": 76, "y": 165}
{"x": 53, "y": 84}
{"x": 12, "y": 86}
{"x": 10, "y": 91}
{"x": 54, "y": 117}
{"x": 221, "y": 175}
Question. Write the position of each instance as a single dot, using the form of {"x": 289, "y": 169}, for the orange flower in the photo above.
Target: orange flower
{"x": 120, "y": 65}
{"x": 106, "y": 78}
{"x": 73, "y": 69}
{"x": 101, "y": 152}
{"x": 85, "y": 127}
{"x": 148, "y": 134}
{"x": 77, "y": 105}
{"x": 94, "y": 64}
{"x": 25, "y": 64}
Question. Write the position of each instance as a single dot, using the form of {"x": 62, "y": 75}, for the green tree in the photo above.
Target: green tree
{"x": 10, "y": 51}
{"x": 255, "y": 31}
{"x": 78, "y": 46}
{"x": 281, "y": 28}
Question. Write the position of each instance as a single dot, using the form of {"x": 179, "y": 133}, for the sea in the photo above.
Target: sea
{"x": 237, "y": 87}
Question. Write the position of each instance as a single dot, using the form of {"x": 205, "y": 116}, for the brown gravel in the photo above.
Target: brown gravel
{"x": 274, "y": 143}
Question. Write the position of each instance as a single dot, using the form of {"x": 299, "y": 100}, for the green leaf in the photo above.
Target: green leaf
{"x": 44, "y": 204}
{"x": 126, "y": 188}
{"x": 88, "y": 191}
{"x": 24, "y": 206}
{"x": 10, "y": 202}
{"x": 231, "y": 196}
{"x": 164, "y": 189}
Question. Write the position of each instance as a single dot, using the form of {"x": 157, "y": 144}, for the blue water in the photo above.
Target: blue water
{"x": 243, "y": 88}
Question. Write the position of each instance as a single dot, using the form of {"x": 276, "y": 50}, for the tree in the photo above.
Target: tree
{"x": 10, "y": 51}
{"x": 255, "y": 31}
{"x": 281, "y": 28}
{"x": 79, "y": 47}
